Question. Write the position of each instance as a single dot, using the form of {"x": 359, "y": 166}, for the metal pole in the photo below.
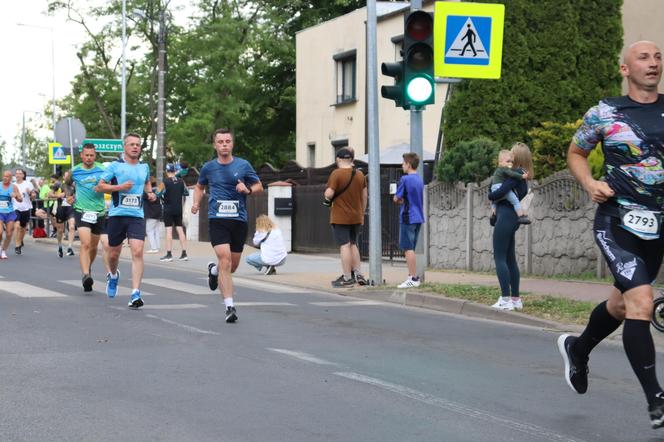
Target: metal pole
{"x": 71, "y": 142}
{"x": 161, "y": 65}
{"x": 416, "y": 147}
{"x": 23, "y": 142}
{"x": 375, "y": 237}
{"x": 123, "y": 106}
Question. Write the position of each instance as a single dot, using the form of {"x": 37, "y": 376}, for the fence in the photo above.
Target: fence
{"x": 558, "y": 242}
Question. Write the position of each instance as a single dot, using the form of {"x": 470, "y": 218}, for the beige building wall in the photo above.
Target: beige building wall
{"x": 642, "y": 20}
{"x": 319, "y": 121}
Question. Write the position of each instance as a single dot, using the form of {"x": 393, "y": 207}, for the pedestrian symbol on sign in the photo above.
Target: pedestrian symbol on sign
{"x": 467, "y": 40}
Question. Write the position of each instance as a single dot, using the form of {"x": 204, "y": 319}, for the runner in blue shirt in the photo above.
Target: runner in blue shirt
{"x": 8, "y": 190}
{"x": 230, "y": 179}
{"x": 126, "y": 179}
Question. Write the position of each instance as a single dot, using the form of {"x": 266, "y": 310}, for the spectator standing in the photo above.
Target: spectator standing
{"x": 173, "y": 192}
{"x": 153, "y": 213}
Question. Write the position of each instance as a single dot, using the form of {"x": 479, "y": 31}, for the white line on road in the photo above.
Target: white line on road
{"x": 264, "y": 304}
{"x": 121, "y": 289}
{"x": 464, "y": 410}
{"x": 179, "y": 286}
{"x": 28, "y": 291}
{"x": 302, "y": 356}
{"x": 166, "y": 307}
{"x": 346, "y": 303}
{"x": 183, "y": 326}
{"x": 273, "y": 287}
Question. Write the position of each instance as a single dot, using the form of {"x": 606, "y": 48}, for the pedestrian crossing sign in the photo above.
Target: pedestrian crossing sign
{"x": 468, "y": 39}
{"x": 57, "y": 155}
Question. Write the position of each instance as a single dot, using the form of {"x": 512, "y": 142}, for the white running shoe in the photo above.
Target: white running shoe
{"x": 152, "y": 251}
{"x": 504, "y": 304}
{"x": 408, "y": 283}
{"x": 3, "y": 255}
{"x": 518, "y": 305}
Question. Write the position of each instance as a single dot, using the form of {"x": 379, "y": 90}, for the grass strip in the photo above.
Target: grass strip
{"x": 548, "y": 307}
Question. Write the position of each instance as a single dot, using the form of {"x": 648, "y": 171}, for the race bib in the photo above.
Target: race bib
{"x": 4, "y": 204}
{"x": 89, "y": 217}
{"x": 228, "y": 209}
{"x": 642, "y": 223}
{"x": 131, "y": 201}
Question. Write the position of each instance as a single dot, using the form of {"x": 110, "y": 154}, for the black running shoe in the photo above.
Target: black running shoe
{"x": 342, "y": 282}
{"x": 213, "y": 280}
{"x": 60, "y": 254}
{"x": 183, "y": 256}
{"x": 17, "y": 250}
{"x": 166, "y": 258}
{"x": 576, "y": 369}
{"x": 135, "y": 301}
{"x": 87, "y": 283}
{"x": 271, "y": 270}
{"x": 656, "y": 411}
{"x": 359, "y": 278}
{"x": 70, "y": 252}
{"x": 231, "y": 315}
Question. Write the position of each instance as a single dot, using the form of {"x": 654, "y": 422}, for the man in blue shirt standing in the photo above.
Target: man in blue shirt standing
{"x": 126, "y": 179}
{"x": 410, "y": 194}
{"x": 230, "y": 180}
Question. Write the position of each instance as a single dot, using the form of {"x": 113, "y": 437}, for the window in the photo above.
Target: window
{"x": 398, "y": 47}
{"x": 311, "y": 154}
{"x": 346, "y": 68}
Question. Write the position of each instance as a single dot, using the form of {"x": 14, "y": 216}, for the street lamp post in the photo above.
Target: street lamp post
{"x": 123, "y": 106}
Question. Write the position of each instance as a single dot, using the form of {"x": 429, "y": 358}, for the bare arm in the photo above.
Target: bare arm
{"x": 17, "y": 194}
{"x": 199, "y": 190}
{"x": 147, "y": 188}
{"x": 104, "y": 187}
{"x": 329, "y": 193}
{"x": 577, "y": 161}
{"x": 365, "y": 199}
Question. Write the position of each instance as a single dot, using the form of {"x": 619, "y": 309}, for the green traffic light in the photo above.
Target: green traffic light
{"x": 420, "y": 89}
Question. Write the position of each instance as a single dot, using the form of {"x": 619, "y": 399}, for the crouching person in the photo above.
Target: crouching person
{"x": 269, "y": 240}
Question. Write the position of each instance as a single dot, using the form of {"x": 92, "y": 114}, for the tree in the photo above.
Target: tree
{"x": 471, "y": 161}
{"x": 559, "y": 58}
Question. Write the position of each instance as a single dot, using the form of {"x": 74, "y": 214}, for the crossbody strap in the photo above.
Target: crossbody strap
{"x": 352, "y": 174}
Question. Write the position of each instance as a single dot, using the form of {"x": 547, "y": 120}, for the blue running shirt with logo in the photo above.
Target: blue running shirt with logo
{"x": 224, "y": 201}
{"x": 6, "y": 205}
{"x": 632, "y": 137}
{"x": 127, "y": 203}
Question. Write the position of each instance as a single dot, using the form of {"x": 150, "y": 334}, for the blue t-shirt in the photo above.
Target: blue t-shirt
{"x": 6, "y": 205}
{"x": 411, "y": 189}
{"x": 127, "y": 203}
{"x": 224, "y": 201}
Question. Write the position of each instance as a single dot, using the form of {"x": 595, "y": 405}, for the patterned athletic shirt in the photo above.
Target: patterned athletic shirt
{"x": 87, "y": 200}
{"x": 632, "y": 137}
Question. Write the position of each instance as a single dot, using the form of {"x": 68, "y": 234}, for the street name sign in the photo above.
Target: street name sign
{"x": 468, "y": 39}
{"x": 106, "y": 145}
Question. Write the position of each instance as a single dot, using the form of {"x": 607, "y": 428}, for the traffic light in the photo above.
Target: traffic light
{"x": 395, "y": 92}
{"x": 418, "y": 78}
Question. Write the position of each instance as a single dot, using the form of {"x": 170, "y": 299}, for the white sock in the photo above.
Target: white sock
{"x": 214, "y": 271}
{"x": 228, "y": 302}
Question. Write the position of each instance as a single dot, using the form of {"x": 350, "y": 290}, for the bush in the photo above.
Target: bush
{"x": 549, "y": 144}
{"x": 468, "y": 161}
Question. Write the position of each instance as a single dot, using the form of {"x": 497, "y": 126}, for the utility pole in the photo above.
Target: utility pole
{"x": 161, "y": 67}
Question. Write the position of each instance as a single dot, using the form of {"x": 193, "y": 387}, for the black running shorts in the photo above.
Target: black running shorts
{"x": 23, "y": 217}
{"x": 63, "y": 213}
{"x": 228, "y": 231}
{"x": 346, "y": 233}
{"x": 172, "y": 219}
{"x": 120, "y": 227}
{"x": 633, "y": 261}
{"x": 96, "y": 228}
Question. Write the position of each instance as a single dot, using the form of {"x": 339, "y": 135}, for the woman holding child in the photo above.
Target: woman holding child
{"x": 507, "y": 223}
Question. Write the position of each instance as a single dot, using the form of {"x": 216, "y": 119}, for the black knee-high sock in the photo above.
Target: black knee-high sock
{"x": 600, "y": 325}
{"x": 640, "y": 350}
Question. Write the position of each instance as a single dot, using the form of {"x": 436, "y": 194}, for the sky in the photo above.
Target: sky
{"x": 26, "y": 77}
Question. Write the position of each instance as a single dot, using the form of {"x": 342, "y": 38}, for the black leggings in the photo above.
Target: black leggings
{"x": 504, "y": 254}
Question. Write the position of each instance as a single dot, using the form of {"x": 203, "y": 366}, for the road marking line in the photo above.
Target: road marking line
{"x": 274, "y": 287}
{"x": 121, "y": 289}
{"x": 264, "y": 304}
{"x": 28, "y": 291}
{"x": 172, "y": 306}
{"x": 184, "y": 326}
{"x": 179, "y": 286}
{"x": 454, "y": 407}
{"x": 302, "y": 356}
{"x": 346, "y": 303}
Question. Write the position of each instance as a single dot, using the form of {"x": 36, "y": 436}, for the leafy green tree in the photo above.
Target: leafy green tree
{"x": 470, "y": 161}
{"x": 559, "y": 58}
{"x": 549, "y": 143}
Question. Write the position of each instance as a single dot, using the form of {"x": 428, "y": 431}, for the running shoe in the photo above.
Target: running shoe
{"x": 87, "y": 283}
{"x": 271, "y": 270}
{"x": 167, "y": 257}
{"x": 656, "y": 411}
{"x": 3, "y": 255}
{"x": 17, "y": 250}
{"x": 504, "y": 304}
{"x": 231, "y": 315}
{"x": 518, "y": 305}
{"x": 213, "y": 280}
{"x": 409, "y": 282}
{"x": 183, "y": 256}
{"x": 112, "y": 284}
{"x": 60, "y": 254}
{"x": 341, "y": 281}
{"x": 359, "y": 278}
{"x": 576, "y": 369}
{"x": 152, "y": 251}
{"x": 70, "y": 252}
{"x": 136, "y": 301}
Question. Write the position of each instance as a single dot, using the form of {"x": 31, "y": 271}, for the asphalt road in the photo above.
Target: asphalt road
{"x": 296, "y": 367}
